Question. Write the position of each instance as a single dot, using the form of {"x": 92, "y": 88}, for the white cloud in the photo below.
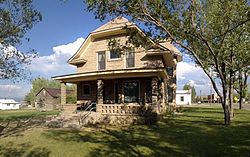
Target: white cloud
{"x": 56, "y": 63}
{"x": 12, "y": 91}
{"x": 45, "y": 66}
{"x": 189, "y": 73}
{"x": 70, "y": 48}
{"x": 9, "y": 87}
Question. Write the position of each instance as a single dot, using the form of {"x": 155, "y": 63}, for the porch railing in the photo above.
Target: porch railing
{"x": 118, "y": 109}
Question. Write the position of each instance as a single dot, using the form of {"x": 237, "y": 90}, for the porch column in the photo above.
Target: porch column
{"x": 165, "y": 91}
{"x": 162, "y": 95}
{"x": 99, "y": 92}
{"x": 154, "y": 84}
{"x": 174, "y": 82}
{"x": 63, "y": 93}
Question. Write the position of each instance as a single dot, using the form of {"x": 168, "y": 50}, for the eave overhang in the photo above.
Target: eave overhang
{"x": 112, "y": 74}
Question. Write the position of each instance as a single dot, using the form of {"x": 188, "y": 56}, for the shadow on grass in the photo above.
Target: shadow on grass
{"x": 24, "y": 149}
{"x": 182, "y": 135}
{"x": 11, "y": 127}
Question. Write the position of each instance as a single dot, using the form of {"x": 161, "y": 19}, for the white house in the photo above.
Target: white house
{"x": 9, "y": 104}
{"x": 183, "y": 97}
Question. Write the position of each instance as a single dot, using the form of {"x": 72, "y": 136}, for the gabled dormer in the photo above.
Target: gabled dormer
{"x": 95, "y": 54}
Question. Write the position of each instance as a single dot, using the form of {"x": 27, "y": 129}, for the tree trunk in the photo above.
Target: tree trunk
{"x": 240, "y": 101}
{"x": 226, "y": 115}
{"x": 225, "y": 106}
{"x": 240, "y": 89}
{"x": 230, "y": 95}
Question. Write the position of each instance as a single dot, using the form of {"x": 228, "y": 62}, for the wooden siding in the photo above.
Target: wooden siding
{"x": 90, "y": 54}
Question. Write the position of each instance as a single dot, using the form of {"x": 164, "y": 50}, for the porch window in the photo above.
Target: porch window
{"x": 101, "y": 61}
{"x": 148, "y": 96}
{"x": 131, "y": 92}
{"x": 130, "y": 59}
{"x": 86, "y": 89}
{"x": 114, "y": 54}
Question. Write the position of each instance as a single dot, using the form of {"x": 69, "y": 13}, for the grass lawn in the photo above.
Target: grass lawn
{"x": 23, "y": 114}
{"x": 196, "y": 132}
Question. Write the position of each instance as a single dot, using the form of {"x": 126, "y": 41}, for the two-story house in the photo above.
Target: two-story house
{"x": 113, "y": 78}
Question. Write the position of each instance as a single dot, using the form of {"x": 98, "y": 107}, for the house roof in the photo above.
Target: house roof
{"x": 183, "y": 91}
{"x": 114, "y": 23}
{"x": 8, "y": 101}
{"x": 55, "y": 92}
{"x": 117, "y": 24}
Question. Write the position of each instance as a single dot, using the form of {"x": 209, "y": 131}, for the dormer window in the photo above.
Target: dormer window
{"x": 101, "y": 60}
{"x": 130, "y": 59}
{"x": 114, "y": 54}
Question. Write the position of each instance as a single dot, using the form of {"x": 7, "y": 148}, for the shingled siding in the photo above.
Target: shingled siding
{"x": 98, "y": 45}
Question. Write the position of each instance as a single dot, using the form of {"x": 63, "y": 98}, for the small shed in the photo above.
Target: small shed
{"x": 49, "y": 99}
{"x": 9, "y": 104}
{"x": 183, "y": 97}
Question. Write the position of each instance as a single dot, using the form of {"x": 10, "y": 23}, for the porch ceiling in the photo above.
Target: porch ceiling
{"x": 111, "y": 74}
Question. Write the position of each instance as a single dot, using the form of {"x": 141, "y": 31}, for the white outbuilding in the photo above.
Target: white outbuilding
{"x": 9, "y": 104}
{"x": 183, "y": 97}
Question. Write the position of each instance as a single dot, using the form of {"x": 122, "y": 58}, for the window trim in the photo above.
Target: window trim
{"x": 86, "y": 84}
{"x": 125, "y": 62}
{"x": 114, "y": 59}
{"x": 97, "y": 60}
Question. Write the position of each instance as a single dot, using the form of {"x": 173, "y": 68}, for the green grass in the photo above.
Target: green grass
{"x": 196, "y": 132}
{"x": 23, "y": 114}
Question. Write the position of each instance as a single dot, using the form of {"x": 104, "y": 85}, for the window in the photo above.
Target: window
{"x": 170, "y": 71}
{"x": 101, "y": 61}
{"x": 131, "y": 92}
{"x": 130, "y": 59}
{"x": 182, "y": 98}
{"x": 114, "y": 54}
{"x": 86, "y": 89}
{"x": 8, "y": 104}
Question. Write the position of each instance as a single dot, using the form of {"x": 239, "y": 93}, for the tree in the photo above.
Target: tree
{"x": 240, "y": 85}
{"x": 193, "y": 92}
{"x": 16, "y": 18}
{"x": 202, "y": 28}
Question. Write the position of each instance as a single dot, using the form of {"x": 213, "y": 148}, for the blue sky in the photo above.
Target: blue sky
{"x": 63, "y": 28}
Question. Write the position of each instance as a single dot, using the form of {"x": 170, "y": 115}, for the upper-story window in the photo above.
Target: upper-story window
{"x": 114, "y": 54}
{"x": 101, "y": 60}
{"x": 130, "y": 59}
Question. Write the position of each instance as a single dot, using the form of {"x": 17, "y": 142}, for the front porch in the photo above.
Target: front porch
{"x": 118, "y": 94}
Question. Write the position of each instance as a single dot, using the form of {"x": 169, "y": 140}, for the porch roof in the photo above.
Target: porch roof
{"x": 110, "y": 74}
